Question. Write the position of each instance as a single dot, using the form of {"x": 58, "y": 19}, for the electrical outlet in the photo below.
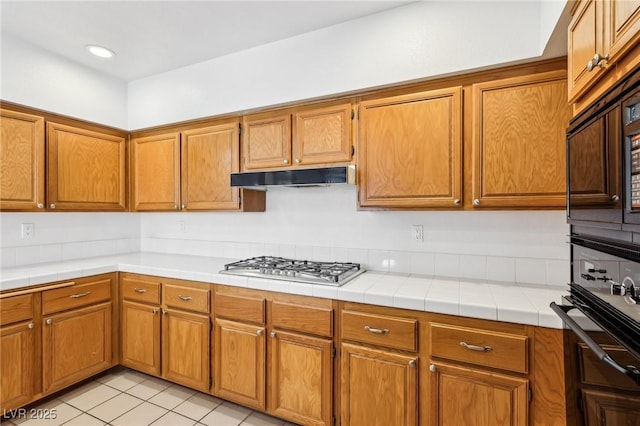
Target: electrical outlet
{"x": 27, "y": 230}
{"x": 181, "y": 226}
{"x": 417, "y": 233}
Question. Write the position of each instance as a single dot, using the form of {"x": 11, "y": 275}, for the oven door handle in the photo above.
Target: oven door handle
{"x": 561, "y": 311}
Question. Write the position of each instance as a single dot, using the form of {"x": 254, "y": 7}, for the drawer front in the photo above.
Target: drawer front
{"x": 307, "y": 319}
{"x": 244, "y": 308}
{"x": 75, "y": 296}
{"x": 383, "y": 330}
{"x": 141, "y": 290}
{"x": 481, "y": 347}
{"x": 595, "y": 372}
{"x": 187, "y": 298}
{"x": 16, "y": 308}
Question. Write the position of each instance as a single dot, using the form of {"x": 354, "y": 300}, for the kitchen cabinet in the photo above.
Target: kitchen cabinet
{"x": 17, "y": 346}
{"x": 160, "y": 317}
{"x": 189, "y": 169}
{"x": 86, "y": 169}
{"x": 313, "y": 135}
{"x": 410, "y": 150}
{"x": 519, "y": 142}
{"x": 76, "y": 331}
{"x": 379, "y": 385}
{"x": 610, "y": 409}
{"x": 600, "y": 35}
{"x": 22, "y": 185}
{"x": 292, "y": 336}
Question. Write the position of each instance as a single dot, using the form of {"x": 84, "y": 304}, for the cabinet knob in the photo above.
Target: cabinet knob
{"x": 457, "y": 201}
{"x": 615, "y": 198}
{"x": 30, "y": 325}
{"x": 259, "y": 332}
{"x": 52, "y": 205}
{"x": 175, "y": 207}
{"x": 476, "y": 202}
{"x": 412, "y": 363}
{"x": 164, "y": 312}
{"x": 40, "y": 206}
{"x": 432, "y": 368}
{"x": 48, "y": 321}
{"x": 273, "y": 334}
{"x": 597, "y": 61}
{"x": 154, "y": 311}
{"x": 285, "y": 161}
{"x": 183, "y": 206}
{"x": 297, "y": 161}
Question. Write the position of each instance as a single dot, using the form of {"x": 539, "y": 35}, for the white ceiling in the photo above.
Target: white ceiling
{"x": 150, "y": 37}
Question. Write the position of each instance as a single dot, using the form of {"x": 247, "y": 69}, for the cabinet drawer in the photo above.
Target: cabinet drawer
{"x": 392, "y": 332}
{"x": 244, "y": 308}
{"x": 307, "y": 319}
{"x": 16, "y": 308}
{"x": 61, "y": 299}
{"x": 188, "y": 298}
{"x": 595, "y": 372}
{"x": 141, "y": 290}
{"x": 481, "y": 347}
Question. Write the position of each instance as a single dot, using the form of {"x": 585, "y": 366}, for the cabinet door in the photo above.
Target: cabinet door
{"x": 266, "y": 141}
{"x": 75, "y": 345}
{"x": 21, "y": 161}
{"x": 585, "y": 39}
{"x": 182, "y": 330}
{"x": 240, "y": 363}
{"x": 323, "y": 135}
{"x": 209, "y": 156}
{"x": 17, "y": 346}
{"x": 624, "y": 26}
{"x": 464, "y": 396}
{"x": 140, "y": 328}
{"x": 85, "y": 169}
{"x": 379, "y": 388}
{"x": 155, "y": 172}
{"x": 519, "y": 148}
{"x": 410, "y": 150}
{"x": 609, "y": 409}
{"x": 300, "y": 378}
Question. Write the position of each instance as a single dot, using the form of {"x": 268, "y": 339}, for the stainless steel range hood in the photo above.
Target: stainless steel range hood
{"x": 295, "y": 177}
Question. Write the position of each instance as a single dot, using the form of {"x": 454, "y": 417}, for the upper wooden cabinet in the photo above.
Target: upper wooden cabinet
{"x": 189, "y": 170}
{"x": 410, "y": 150}
{"x": 21, "y": 161}
{"x": 85, "y": 169}
{"x": 308, "y": 136}
{"x": 519, "y": 148}
{"x": 600, "y": 34}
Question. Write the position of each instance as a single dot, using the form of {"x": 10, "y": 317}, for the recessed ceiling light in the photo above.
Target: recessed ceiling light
{"x": 100, "y": 51}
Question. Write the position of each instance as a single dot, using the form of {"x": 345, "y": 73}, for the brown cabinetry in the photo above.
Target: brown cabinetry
{"x": 316, "y": 135}
{"x": 21, "y": 161}
{"x": 410, "y": 150}
{"x": 519, "y": 149}
{"x": 160, "y": 317}
{"x": 600, "y": 37}
{"x": 379, "y": 386}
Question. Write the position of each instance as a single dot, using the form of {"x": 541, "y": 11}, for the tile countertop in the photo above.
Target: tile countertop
{"x": 510, "y": 302}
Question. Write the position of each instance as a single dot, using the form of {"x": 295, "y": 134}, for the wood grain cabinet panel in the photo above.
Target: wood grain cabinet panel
{"x": 140, "y": 338}
{"x": 464, "y": 396}
{"x": 610, "y": 409}
{"x": 17, "y": 364}
{"x": 519, "y": 148}
{"x": 410, "y": 150}
{"x": 266, "y": 141}
{"x": 85, "y": 169}
{"x": 22, "y": 146}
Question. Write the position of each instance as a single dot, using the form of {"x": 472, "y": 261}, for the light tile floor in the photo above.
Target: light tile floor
{"x": 124, "y": 397}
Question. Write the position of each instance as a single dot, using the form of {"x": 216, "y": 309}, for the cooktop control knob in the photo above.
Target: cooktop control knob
{"x": 618, "y": 289}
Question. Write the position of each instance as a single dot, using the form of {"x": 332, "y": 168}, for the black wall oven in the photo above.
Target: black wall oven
{"x": 603, "y": 209}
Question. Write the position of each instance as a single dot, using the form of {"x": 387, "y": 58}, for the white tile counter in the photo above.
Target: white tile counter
{"x": 510, "y": 302}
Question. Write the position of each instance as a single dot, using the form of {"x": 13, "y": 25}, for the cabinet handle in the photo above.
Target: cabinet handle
{"x": 154, "y": 311}
{"x": 273, "y": 334}
{"x": 175, "y": 207}
{"x": 52, "y": 205}
{"x": 412, "y": 363}
{"x": 185, "y": 298}
{"x": 140, "y": 290}
{"x": 475, "y": 348}
{"x": 48, "y": 321}
{"x": 597, "y": 61}
{"x": 376, "y": 330}
{"x": 297, "y": 161}
{"x": 432, "y": 368}
{"x": 615, "y": 198}
{"x": 285, "y": 161}
{"x": 40, "y": 206}
{"x": 30, "y": 325}
{"x": 164, "y": 312}
{"x": 259, "y": 332}
{"x": 79, "y": 295}
{"x": 457, "y": 201}
{"x": 476, "y": 202}
{"x": 183, "y": 206}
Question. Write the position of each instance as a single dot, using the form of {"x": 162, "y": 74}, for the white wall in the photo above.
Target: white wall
{"x": 36, "y": 78}
{"x": 420, "y": 40}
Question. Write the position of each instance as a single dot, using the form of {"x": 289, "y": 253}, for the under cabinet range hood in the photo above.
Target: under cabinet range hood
{"x": 295, "y": 177}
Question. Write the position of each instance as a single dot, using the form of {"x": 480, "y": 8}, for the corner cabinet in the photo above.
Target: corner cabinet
{"x": 410, "y": 150}
{"x": 86, "y": 169}
{"x": 22, "y": 185}
{"x": 519, "y": 141}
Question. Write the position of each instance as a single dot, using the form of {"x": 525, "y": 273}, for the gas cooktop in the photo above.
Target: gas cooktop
{"x": 307, "y": 271}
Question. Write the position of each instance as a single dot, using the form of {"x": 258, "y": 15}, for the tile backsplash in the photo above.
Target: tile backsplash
{"x": 320, "y": 223}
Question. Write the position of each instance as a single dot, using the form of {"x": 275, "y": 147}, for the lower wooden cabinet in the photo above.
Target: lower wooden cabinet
{"x": 379, "y": 387}
{"x": 140, "y": 325}
{"x": 469, "y": 396}
{"x": 17, "y": 346}
{"x": 609, "y": 409}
